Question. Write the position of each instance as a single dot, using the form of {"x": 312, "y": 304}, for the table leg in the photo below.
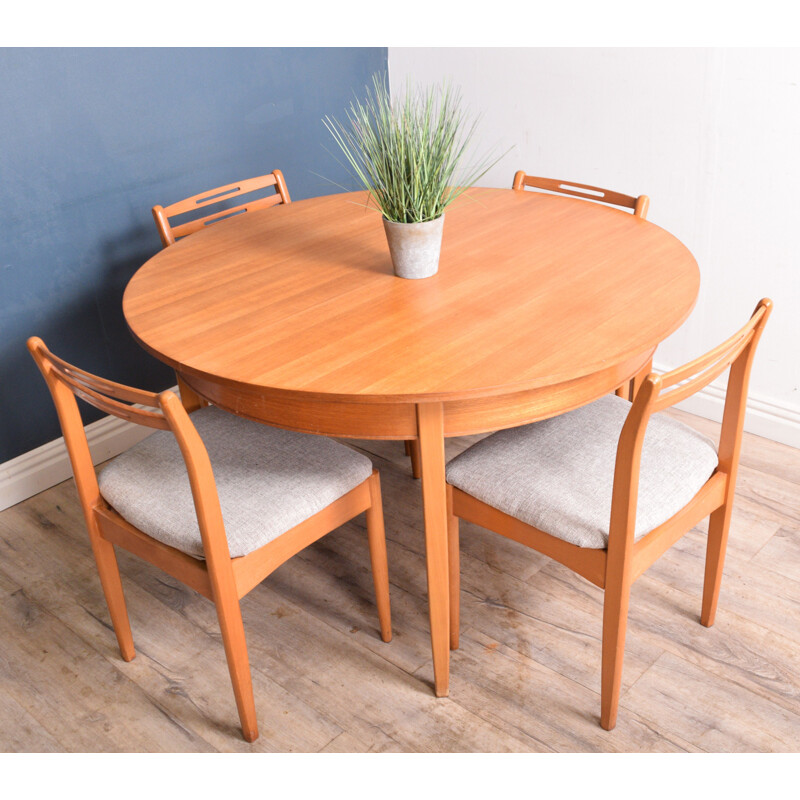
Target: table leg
{"x": 430, "y": 428}
{"x": 628, "y": 390}
{"x": 638, "y": 379}
{"x": 190, "y": 399}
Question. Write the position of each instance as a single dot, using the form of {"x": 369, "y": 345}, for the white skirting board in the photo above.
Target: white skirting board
{"x": 39, "y": 469}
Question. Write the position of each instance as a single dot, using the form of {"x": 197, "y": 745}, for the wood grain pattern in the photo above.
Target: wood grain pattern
{"x": 302, "y": 300}
{"x": 640, "y": 206}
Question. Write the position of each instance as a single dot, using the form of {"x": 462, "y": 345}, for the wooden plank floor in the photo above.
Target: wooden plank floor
{"x": 526, "y": 677}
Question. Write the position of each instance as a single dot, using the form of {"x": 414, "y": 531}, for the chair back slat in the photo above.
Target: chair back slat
{"x": 169, "y": 233}
{"x": 219, "y": 194}
{"x": 101, "y": 385}
{"x": 697, "y": 374}
{"x": 150, "y": 419}
{"x": 186, "y": 228}
{"x": 98, "y": 392}
{"x": 583, "y": 190}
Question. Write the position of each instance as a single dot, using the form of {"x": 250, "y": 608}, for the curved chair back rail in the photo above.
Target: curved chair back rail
{"x": 169, "y": 234}
{"x": 627, "y": 556}
{"x": 217, "y": 576}
{"x": 639, "y": 204}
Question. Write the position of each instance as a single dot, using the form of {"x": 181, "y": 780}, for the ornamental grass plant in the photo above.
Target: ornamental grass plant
{"x": 412, "y": 156}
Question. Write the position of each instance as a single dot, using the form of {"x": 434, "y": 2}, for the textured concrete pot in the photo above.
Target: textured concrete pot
{"x": 414, "y": 247}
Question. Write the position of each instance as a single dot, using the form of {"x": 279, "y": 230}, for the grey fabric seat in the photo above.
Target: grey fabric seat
{"x": 557, "y": 475}
{"x": 268, "y": 481}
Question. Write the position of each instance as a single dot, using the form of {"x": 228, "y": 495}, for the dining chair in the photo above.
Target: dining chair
{"x": 607, "y": 488}
{"x": 639, "y": 205}
{"x": 169, "y": 234}
{"x": 216, "y": 501}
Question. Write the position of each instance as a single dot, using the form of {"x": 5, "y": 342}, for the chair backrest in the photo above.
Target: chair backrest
{"x": 170, "y": 234}
{"x": 639, "y": 205}
{"x": 162, "y": 411}
{"x": 658, "y": 392}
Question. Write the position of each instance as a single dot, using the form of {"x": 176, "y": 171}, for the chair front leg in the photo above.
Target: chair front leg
{"x": 615, "y": 624}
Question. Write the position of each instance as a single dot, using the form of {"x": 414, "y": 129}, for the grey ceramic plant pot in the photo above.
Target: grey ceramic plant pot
{"x": 414, "y": 247}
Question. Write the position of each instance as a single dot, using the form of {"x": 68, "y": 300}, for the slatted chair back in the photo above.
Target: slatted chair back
{"x": 170, "y": 234}
{"x": 639, "y": 205}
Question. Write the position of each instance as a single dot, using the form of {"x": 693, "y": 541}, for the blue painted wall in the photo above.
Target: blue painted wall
{"x": 90, "y": 140}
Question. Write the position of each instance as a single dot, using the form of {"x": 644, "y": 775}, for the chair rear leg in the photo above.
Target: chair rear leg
{"x": 718, "y": 527}
{"x": 108, "y": 570}
{"x": 412, "y": 450}
{"x": 377, "y": 553}
{"x": 454, "y": 568}
{"x": 231, "y": 625}
{"x": 615, "y": 624}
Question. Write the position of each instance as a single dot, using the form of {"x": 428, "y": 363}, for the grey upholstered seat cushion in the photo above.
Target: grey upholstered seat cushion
{"x": 558, "y": 474}
{"x": 268, "y": 480}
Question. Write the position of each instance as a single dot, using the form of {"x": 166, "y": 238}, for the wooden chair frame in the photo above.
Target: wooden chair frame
{"x": 220, "y": 578}
{"x": 170, "y": 234}
{"x": 617, "y": 567}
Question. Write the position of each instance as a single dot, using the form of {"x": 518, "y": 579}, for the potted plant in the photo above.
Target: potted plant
{"x": 410, "y": 157}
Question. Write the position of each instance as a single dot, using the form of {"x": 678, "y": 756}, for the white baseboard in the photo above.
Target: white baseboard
{"x": 39, "y": 469}
{"x": 780, "y": 423}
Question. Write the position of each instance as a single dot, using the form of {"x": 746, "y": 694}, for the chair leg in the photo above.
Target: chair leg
{"x": 615, "y": 624}
{"x": 718, "y": 527}
{"x": 454, "y": 568}
{"x": 412, "y": 450}
{"x": 108, "y": 570}
{"x": 231, "y": 625}
{"x": 377, "y": 554}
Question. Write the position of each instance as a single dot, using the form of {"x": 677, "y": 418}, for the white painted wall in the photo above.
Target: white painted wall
{"x": 711, "y": 135}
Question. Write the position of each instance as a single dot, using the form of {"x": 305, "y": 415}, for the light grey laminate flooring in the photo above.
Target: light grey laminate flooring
{"x": 526, "y": 677}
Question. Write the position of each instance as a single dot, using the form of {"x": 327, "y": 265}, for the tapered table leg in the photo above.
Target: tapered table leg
{"x": 430, "y": 427}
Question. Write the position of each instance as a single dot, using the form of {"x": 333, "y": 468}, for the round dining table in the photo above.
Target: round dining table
{"x": 292, "y": 316}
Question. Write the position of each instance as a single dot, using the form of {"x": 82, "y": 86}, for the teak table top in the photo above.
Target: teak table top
{"x": 532, "y": 290}
{"x": 293, "y": 316}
